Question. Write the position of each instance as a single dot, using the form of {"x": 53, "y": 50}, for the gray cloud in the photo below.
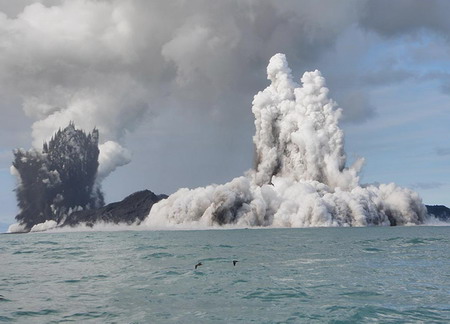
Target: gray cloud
{"x": 426, "y": 185}
{"x": 356, "y": 107}
{"x": 5, "y": 158}
{"x": 445, "y": 87}
{"x": 387, "y": 76}
{"x": 13, "y": 8}
{"x": 442, "y": 78}
{"x": 105, "y": 58}
{"x": 174, "y": 80}
{"x": 115, "y": 64}
{"x": 394, "y": 18}
{"x": 442, "y": 151}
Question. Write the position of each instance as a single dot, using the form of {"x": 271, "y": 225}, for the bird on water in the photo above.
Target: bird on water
{"x": 198, "y": 265}
{"x": 234, "y": 262}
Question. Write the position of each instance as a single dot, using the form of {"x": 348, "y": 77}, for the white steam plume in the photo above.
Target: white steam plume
{"x": 300, "y": 178}
{"x": 111, "y": 156}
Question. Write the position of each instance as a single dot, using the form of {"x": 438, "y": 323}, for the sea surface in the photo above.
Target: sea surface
{"x": 313, "y": 275}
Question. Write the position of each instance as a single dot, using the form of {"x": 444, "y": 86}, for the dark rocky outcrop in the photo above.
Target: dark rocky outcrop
{"x": 132, "y": 209}
{"x": 440, "y": 212}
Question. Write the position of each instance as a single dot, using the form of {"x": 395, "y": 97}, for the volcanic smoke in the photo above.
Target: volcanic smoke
{"x": 59, "y": 180}
{"x": 300, "y": 177}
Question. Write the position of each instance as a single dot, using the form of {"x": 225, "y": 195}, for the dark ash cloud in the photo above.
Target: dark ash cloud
{"x": 59, "y": 179}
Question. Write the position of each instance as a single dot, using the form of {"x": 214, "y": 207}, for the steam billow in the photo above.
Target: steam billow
{"x": 300, "y": 178}
{"x": 59, "y": 180}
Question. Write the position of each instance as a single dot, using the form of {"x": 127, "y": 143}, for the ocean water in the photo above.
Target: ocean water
{"x": 313, "y": 275}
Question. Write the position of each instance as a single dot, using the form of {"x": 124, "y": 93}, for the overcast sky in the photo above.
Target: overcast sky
{"x": 173, "y": 82}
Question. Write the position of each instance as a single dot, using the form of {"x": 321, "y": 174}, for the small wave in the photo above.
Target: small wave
{"x": 276, "y": 294}
{"x": 362, "y": 293}
{"x": 5, "y": 319}
{"x": 321, "y": 286}
{"x": 419, "y": 241}
{"x": 46, "y": 243}
{"x": 77, "y": 253}
{"x": 72, "y": 281}
{"x": 307, "y": 261}
{"x": 150, "y": 247}
{"x": 90, "y": 315}
{"x": 372, "y": 249}
{"x": 415, "y": 241}
{"x": 158, "y": 255}
{"x": 199, "y": 273}
{"x": 424, "y": 240}
{"x": 4, "y": 299}
{"x": 24, "y": 252}
{"x": 426, "y": 314}
{"x": 100, "y": 276}
{"x": 368, "y": 242}
{"x": 367, "y": 313}
{"x": 38, "y": 313}
{"x": 394, "y": 239}
{"x": 239, "y": 281}
{"x": 225, "y": 246}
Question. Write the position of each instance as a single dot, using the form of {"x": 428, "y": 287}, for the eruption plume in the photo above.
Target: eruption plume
{"x": 58, "y": 180}
{"x": 300, "y": 178}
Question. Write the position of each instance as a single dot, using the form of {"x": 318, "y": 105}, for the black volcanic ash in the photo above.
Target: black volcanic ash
{"x": 58, "y": 180}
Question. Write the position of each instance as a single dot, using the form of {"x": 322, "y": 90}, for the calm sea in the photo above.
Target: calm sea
{"x": 315, "y": 275}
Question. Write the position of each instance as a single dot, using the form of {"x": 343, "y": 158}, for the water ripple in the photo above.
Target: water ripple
{"x": 284, "y": 276}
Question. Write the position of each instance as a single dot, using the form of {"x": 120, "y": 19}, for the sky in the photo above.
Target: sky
{"x": 170, "y": 84}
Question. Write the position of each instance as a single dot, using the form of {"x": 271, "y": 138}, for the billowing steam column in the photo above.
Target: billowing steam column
{"x": 297, "y": 134}
{"x": 300, "y": 177}
{"x": 58, "y": 180}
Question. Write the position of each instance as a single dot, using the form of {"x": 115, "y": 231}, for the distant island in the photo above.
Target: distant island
{"x": 439, "y": 211}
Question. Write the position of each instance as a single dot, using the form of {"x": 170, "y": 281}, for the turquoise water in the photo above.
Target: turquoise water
{"x": 320, "y": 275}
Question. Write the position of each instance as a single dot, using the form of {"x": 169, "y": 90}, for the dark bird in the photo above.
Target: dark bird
{"x": 234, "y": 262}
{"x": 198, "y": 265}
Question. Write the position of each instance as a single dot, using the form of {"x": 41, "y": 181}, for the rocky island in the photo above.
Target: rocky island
{"x": 131, "y": 210}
